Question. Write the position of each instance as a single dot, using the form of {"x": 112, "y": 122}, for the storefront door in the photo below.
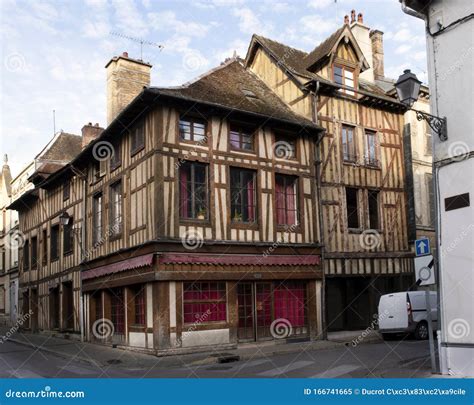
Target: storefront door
{"x": 262, "y": 303}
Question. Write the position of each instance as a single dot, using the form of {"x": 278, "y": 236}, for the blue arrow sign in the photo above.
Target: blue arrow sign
{"x": 422, "y": 247}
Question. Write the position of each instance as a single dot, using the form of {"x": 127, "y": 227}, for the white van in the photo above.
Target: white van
{"x": 405, "y": 312}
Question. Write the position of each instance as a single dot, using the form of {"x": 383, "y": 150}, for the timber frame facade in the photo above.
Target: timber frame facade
{"x": 268, "y": 189}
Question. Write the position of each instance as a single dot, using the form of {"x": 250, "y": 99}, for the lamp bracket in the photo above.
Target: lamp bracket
{"x": 437, "y": 124}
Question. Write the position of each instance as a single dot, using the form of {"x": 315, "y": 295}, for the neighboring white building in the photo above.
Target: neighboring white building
{"x": 450, "y": 27}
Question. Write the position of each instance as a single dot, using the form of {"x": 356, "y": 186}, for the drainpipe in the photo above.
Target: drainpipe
{"x": 411, "y": 12}
{"x": 320, "y": 213}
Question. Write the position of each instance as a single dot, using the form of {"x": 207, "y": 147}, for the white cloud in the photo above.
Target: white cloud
{"x": 167, "y": 21}
{"x": 239, "y": 46}
{"x": 96, "y": 29}
{"x": 249, "y": 23}
{"x": 317, "y": 25}
{"x": 402, "y": 49}
{"x": 320, "y": 4}
{"x": 129, "y": 19}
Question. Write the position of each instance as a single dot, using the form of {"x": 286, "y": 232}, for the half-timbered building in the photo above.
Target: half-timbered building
{"x": 360, "y": 163}
{"x": 246, "y": 205}
{"x": 192, "y": 218}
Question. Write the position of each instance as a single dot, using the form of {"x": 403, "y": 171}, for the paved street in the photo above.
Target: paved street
{"x": 403, "y": 358}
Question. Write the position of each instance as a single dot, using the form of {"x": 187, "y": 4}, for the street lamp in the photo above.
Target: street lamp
{"x": 408, "y": 89}
{"x": 64, "y": 218}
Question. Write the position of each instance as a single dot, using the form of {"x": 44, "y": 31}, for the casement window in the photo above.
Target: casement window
{"x": 352, "y": 208}
{"x": 192, "y": 129}
{"x": 371, "y": 148}
{"x": 285, "y": 147}
{"x": 34, "y": 252}
{"x": 3, "y": 260}
{"x": 116, "y": 158}
{"x": 373, "y": 205}
{"x": 243, "y": 195}
{"x": 344, "y": 76}
{"x": 66, "y": 190}
{"x": 137, "y": 137}
{"x": 97, "y": 224}
{"x": 193, "y": 191}
{"x": 138, "y": 302}
{"x": 54, "y": 248}
{"x": 115, "y": 217}
{"x": 26, "y": 256}
{"x": 241, "y": 137}
{"x": 68, "y": 237}
{"x": 286, "y": 199}
{"x": 44, "y": 241}
{"x": 204, "y": 302}
{"x": 348, "y": 144}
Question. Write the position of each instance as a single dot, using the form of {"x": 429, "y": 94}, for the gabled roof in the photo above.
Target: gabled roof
{"x": 232, "y": 86}
{"x": 62, "y": 148}
{"x": 324, "y": 48}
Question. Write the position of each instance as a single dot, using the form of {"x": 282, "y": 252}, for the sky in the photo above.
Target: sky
{"x": 54, "y": 52}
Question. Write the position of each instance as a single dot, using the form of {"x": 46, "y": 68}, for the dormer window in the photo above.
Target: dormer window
{"x": 344, "y": 76}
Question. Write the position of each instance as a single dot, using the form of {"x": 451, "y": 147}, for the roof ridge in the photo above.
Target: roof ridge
{"x": 279, "y": 43}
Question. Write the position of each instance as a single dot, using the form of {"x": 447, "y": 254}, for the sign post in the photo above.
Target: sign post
{"x": 425, "y": 276}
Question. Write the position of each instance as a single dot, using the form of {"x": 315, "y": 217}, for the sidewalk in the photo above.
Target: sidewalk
{"x": 103, "y": 356}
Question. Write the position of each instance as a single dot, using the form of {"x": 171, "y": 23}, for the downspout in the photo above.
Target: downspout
{"x": 320, "y": 213}
{"x": 83, "y": 258}
{"x": 411, "y": 12}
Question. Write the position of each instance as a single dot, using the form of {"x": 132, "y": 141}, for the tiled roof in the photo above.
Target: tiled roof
{"x": 236, "y": 88}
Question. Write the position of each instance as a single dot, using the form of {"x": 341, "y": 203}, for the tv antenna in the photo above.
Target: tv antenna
{"x": 141, "y": 41}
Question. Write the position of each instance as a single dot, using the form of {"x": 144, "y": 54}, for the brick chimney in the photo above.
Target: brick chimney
{"x": 376, "y": 38}
{"x": 89, "y": 133}
{"x": 126, "y": 78}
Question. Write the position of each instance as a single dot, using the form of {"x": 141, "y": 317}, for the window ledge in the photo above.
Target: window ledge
{"x": 355, "y": 230}
{"x": 135, "y": 151}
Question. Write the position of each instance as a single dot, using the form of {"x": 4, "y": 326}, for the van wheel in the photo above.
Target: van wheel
{"x": 388, "y": 336}
{"x": 421, "y": 331}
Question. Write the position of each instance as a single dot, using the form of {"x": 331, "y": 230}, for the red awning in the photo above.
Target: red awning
{"x": 239, "y": 260}
{"x": 129, "y": 264}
